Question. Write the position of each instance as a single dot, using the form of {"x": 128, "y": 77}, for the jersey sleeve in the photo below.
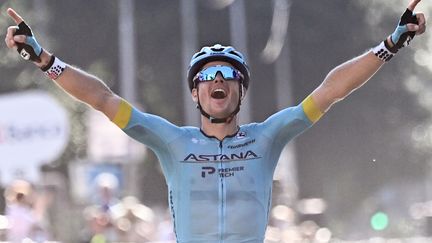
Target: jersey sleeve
{"x": 286, "y": 124}
{"x": 148, "y": 129}
{"x": 311, "y": 110}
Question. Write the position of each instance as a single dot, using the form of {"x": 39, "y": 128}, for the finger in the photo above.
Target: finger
{"x": 422, "y": 30}
{"x": 413, "y": 4}
{"x": 18, "y": 19}
{"x": 9, "y": 41}
{"x": 421, "y": 19}
{"x": 9, "y": 37}
{"x": 15, "y": 38}
{"x": 12, "y": 44}
{"x": 20, "y": 38}
{"x": 11, "y": 31}
{"x": 421, "y": 23}
{"x": 412, "y": 27}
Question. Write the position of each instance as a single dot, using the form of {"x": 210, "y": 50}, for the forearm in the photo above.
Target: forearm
{"x": 86, "y": 88}
{"x": 351, "y": 75}
{"x": 346, "y": 78}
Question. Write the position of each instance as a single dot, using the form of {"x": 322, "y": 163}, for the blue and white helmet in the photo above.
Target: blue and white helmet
{"x": 217, "y": 52}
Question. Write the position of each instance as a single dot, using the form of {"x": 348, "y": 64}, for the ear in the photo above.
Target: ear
{"x": 194, "y": 95}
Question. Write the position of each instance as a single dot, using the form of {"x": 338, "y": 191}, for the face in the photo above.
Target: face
{"x": 219, "y": 98}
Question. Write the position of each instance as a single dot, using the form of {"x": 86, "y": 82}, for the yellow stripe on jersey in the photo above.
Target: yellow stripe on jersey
{"x": 123, "y": 115}
{"x": 311, "y": 109}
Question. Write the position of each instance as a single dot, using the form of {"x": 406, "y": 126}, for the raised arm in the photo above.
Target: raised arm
{"x": 83, "y": 86}
{"x": 351, "y": 75}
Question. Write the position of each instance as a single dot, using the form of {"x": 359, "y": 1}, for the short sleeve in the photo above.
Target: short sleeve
{"x": 146, "y": 128}
{"x": 286, "y": 124}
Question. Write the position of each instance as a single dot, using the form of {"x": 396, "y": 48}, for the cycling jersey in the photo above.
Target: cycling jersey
{"x": 219, "y": 191}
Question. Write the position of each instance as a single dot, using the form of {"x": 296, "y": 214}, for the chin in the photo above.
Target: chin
{"x": 219, "y": 113}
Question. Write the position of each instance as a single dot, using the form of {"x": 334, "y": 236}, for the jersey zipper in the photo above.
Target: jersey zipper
{"x": 222, "y": 195}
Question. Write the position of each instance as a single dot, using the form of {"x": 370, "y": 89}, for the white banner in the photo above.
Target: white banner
{"x": 107, "y": 141}
{"x": 34, "y": 130}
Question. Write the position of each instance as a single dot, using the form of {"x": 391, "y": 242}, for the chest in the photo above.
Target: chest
{"x": 238, "y": 162}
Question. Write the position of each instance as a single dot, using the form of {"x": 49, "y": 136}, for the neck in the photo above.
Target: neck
{"x": 219, "y": 130}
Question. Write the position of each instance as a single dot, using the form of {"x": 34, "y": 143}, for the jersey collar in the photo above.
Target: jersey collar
{"x": 227, "y": 136}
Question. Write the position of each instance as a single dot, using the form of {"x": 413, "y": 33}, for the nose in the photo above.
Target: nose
{"x": 219, "y": 78}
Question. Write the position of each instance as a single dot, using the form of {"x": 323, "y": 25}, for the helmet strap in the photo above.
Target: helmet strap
{"x": 227, "y": 119}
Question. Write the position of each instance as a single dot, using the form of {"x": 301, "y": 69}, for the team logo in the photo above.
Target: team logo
{"x": 205, "y": 158}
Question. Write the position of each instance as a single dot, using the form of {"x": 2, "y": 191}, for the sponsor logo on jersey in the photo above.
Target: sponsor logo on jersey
{"x": 241, "y": 144}
{"x": 223, "y": 172}
{"x": 241, "y": 135}
{"x": 206, "y": 158}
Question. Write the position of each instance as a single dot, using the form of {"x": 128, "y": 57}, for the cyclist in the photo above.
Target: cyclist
{"x": 219, "y": 176}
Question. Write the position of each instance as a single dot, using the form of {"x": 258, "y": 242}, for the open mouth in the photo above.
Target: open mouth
{"x": 218, "y": 94}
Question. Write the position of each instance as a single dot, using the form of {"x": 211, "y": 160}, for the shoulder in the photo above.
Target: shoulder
{"x": 287, "y": 115}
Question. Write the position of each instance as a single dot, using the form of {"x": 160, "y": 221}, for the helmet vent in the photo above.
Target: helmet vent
{"x": 217, "y": 49}
{"x": 199, "y": 54}
{"x": 235, "y": 53}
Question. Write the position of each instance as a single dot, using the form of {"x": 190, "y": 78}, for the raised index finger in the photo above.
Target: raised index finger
{"x": 413, "y": 4}
{"x": 18, "y": 19}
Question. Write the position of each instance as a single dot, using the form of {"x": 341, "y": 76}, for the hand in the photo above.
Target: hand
{"x": 410, "y": 24}
{"x": 21, "y": 38}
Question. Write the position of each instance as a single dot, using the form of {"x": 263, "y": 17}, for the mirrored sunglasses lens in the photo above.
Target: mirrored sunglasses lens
{"x": 210, "y": 73}
{"x": 207, "y": 76}
{"x": 228, "y": 73}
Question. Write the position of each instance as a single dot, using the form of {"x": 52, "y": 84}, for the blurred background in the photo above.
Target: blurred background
{"x": 362, "y": 174}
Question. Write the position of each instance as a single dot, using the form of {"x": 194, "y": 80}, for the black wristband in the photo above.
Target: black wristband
{"x": 50, "y": 63}
{"x": 394, "y": 49}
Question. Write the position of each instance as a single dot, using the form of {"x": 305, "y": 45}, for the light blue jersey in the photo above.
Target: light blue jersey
{"x": 219, "y": 191}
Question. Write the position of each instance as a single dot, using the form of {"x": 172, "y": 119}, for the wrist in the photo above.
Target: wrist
{"x": 390, "y": 45}
{"x": 54, "y": 68}
{"x": 45, "y": 59}
{"x": 383, "y": 51}
{"x": 389, "y": 42}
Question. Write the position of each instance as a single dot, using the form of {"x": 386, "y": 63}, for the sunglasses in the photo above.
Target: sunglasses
{"x": 210, "y": 73}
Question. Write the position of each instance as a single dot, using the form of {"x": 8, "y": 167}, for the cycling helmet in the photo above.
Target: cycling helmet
{"x": 217, "y": 52}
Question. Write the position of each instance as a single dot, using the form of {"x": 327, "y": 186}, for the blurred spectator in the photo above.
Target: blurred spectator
{"x": 99, "y": 225}
{"x": 107, "y": 186}
{"x": 98, "y": 215}
{"x": 24, "y": 212}
{"x": 134, "y": 221}
{"x": 126, "y": 221}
